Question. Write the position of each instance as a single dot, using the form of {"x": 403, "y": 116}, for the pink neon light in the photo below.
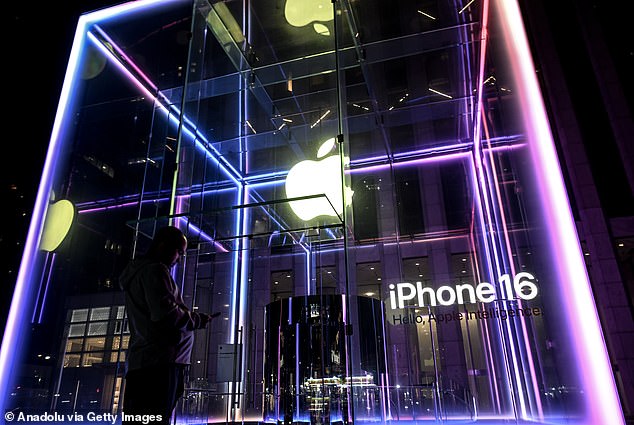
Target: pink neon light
{"x": 507, "y": 242}
{"x": 122, "y": 68}
{"x": 480, "y": 186}
{"x": 601, "y": 395}
{"x": 433, "y": 159}
{"x": 224, "y": 164}
{"x": 20, "y": 302}
{"x": 110, "y": 207}
{"x": 127, "y": 59}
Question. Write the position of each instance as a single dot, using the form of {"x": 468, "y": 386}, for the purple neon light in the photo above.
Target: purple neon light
{"x": 198, "y": 232}
{"x": 110, "y": 207}
{"x": 596, "y": 367}
{"x": 45, "y": 297}
{"x": 20, "y": 302}
{"x": 601, "y": 395}
{"x": 493, "y": 383}
{"x": 478, "y": 212}
{"x": 128, "y": 60}
{"x": 98, "y": 206}
{"x": 505, "y": 238}
{"x": 225, "y": 166}
{"x": 47, "y": 275}
{"x": 436, "y": 151}
{"x": 433, "y": 159}
{"x": 480, "y": 186}
{"x": 173, "y": 117}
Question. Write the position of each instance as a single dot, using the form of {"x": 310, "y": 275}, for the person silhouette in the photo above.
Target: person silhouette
{"x": 161, "y": 331}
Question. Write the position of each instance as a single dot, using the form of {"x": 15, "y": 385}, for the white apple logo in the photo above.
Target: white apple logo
{"x": 300, "y": 13}
{"x": 317, "y": 177}
{"x": 59, "y": 218}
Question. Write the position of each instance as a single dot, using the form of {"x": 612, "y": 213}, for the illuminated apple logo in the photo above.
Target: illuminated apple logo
{"x": 59, "y": 218}
{"x": 314, "y": 178}
{"x": 299, "y": 13}
{"x": 94, "y": 63}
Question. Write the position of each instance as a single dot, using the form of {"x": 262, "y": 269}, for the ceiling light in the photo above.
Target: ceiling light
{"x": 466, "y": 5}
{"x": 440, "y": 93}
{"x": 426, "y": 14}
{"x": 320, "y": 118}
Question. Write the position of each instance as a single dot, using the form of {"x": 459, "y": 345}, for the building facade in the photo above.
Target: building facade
{"x": 373, "y": 201}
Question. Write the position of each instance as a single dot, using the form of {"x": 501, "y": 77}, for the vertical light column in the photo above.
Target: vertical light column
{"x": 593, "y": 366}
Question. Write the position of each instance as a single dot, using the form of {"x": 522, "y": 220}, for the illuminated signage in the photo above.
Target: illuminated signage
{"x": 299, "y": 13}
{"x": 522, "y": 286}
{"x": 314, "y": 178}
{"x": 57, "y": 224}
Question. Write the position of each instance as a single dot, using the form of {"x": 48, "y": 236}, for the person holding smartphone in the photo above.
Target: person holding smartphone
{"x": 161, "y": 331}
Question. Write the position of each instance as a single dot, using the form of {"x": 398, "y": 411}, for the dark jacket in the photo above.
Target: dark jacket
{"x": 161, "y": 325}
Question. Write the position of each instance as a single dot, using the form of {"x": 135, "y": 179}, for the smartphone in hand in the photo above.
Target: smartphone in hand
{"x": 214, "y": 315}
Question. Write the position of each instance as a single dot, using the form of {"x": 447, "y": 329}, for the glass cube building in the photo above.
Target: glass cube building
{"x": 372, "y": 199}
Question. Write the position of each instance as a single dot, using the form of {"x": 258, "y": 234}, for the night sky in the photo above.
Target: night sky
{"x": 38, "y": 37}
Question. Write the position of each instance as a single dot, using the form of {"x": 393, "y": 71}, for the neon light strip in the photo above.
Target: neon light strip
{"x": 16, "y": 319}
{"x": 45, "y": 275}
{"x": 177, "y": 113}
{"x": 84, "y": 207}
{"x": 477, "y": 212}
{"x": 298, "y": 372}
{"x": 172, "y": 113}
{"x": 435, "y": 151}
{"x": 265, "y": 176}
{"x": 244, "y": 275}
{"x": 434, "y": 159}
{"x": 399, "y": 243}
{"x": 20, "y": 301}
{"x": 602, "y": 399}
{"x": 196, "y": 136}
{"x": 467, "y": 5}
{"x": 308, "y": 269}
{"x": 126, "y": 57}
{"x": 483, "y": 197}
{"x": 126, "y": 204}
{"x": 507, "y": 244}
{"x": 488, "y": 272}
{"x": 243, "y": 216}
{"x": 246, "y": 23}
{"x": 198, "y": 232}
{"x": 492, "y": 249}
{"x": 235, "y": 297}
{"x": 376, "y": 160}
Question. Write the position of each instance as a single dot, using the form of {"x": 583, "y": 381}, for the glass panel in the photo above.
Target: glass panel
{"x": 95, "y": 344}
{"x": 99, "y": 328}
{"x": 74, "y": 345}
{"x": 71, "y": 360}
{"x": 117, "y": 357}
{"x": 80, "y": 315}
{"x": 367, "y": 202}
{"x": 369, "y": 279}
{"x": 77, "y": 330}
{"x": 102, "y": 313}
{"x": 88, "y": 359}
{"x": 120, "y": 312}
{"x": 116, "y": 342}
